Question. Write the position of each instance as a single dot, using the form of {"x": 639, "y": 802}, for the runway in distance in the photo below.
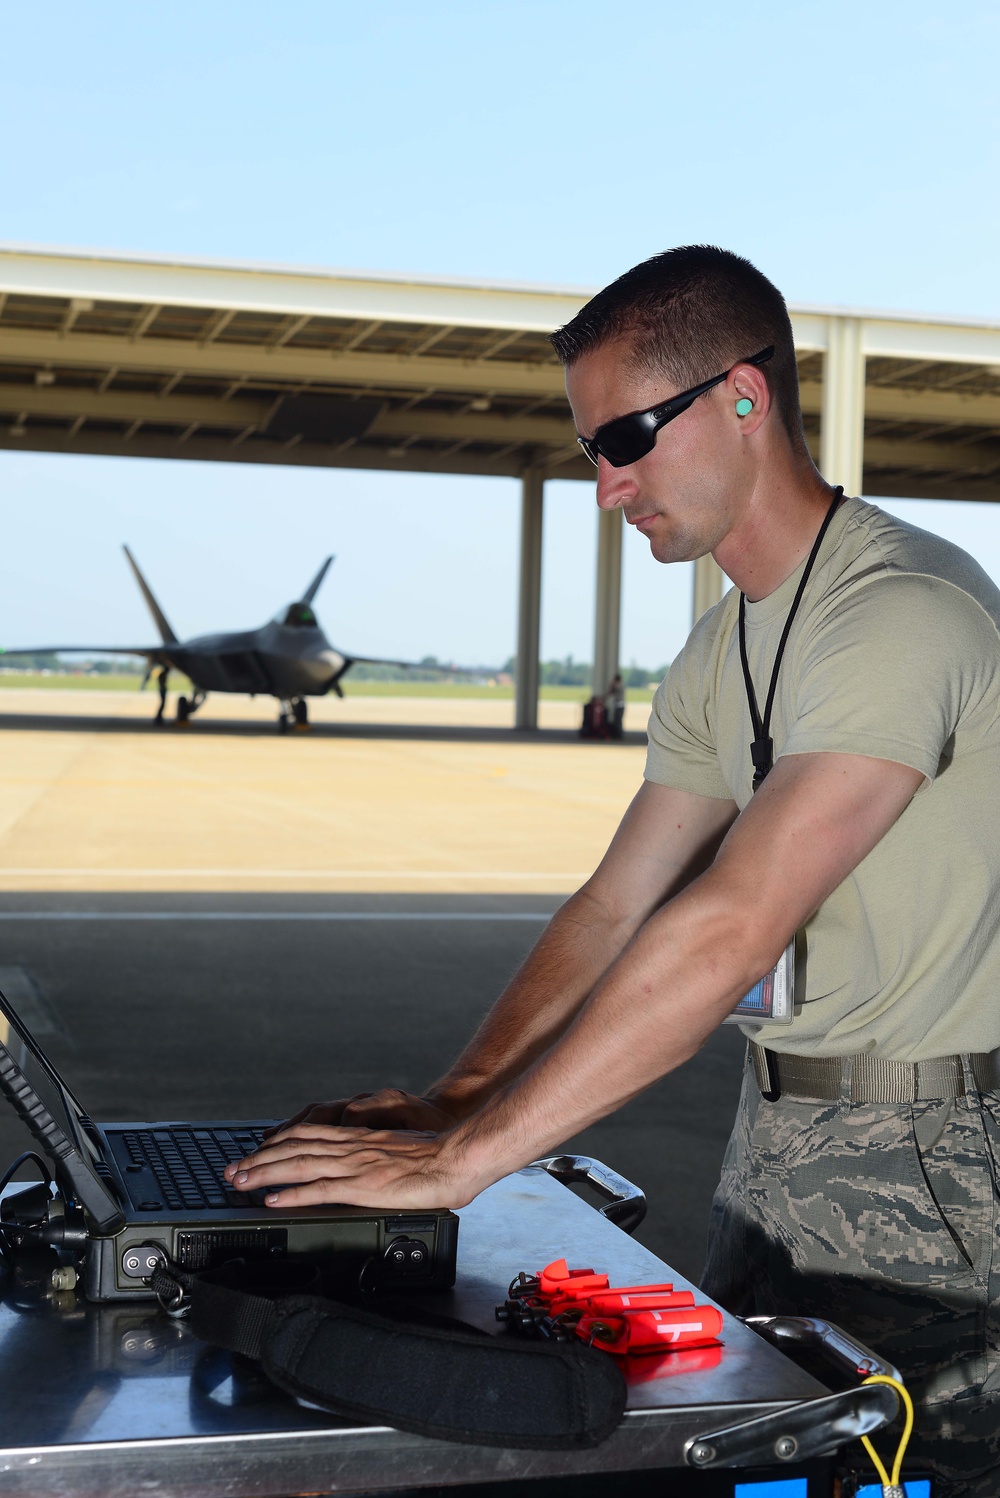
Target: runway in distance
{"x": 289, "y": 658}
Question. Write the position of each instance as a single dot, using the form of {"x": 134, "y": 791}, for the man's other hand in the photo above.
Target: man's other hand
{"x": 321, "y": 1164}
{"x": 389, "y": 1108}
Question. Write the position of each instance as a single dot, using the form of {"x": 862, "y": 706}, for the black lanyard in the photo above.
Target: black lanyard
{"x": 762, "y": 748}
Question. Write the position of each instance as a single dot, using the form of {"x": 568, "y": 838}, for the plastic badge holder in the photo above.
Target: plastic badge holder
{"x": 773, "y": 998}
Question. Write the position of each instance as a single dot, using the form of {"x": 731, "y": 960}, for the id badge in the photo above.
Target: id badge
{"x": 773, "y": 998}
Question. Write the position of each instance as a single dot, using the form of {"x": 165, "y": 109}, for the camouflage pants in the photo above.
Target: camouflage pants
{"x": 883, "y": 1218}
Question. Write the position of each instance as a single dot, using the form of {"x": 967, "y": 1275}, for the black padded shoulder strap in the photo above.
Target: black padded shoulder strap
{"x": 438, "y": 1381}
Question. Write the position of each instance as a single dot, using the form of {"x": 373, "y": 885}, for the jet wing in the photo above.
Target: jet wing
{"x": 146, "y": 650}
{"x": 377, "y": 660}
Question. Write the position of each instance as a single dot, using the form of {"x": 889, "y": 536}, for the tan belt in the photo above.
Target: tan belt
{"x": 869, "y": 1078}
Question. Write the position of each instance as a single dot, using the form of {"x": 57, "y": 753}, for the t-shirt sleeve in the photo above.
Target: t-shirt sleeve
{"x": 892, "y": 670}
{"x": 681, "y": 750}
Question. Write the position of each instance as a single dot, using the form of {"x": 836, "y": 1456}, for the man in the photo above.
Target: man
{"x": 859, "y": 1179}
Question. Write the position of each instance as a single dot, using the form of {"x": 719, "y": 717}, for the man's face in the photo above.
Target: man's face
{"x": 684, "y": 494}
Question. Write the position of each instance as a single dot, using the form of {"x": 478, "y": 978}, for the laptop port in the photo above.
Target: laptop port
{"x": 139, "y": 1261}
{"x": 407, "y": 1256}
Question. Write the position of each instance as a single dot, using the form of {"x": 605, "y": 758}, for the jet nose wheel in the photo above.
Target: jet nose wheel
{"x": 186, "y": 706}
{"x": 294, "y": 714}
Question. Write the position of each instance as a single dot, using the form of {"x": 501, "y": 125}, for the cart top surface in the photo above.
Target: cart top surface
{"x": 76, "y": 1373}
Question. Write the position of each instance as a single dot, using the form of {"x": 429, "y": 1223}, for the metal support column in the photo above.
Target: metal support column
{"x": 709, "y": 586}
{"x": 608, "y": 603}
{"x": 529, "y": 600}
{"x": 842, "y": 424}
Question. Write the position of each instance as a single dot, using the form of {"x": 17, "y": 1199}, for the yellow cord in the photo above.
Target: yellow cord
{"x": 897, "y": 1466}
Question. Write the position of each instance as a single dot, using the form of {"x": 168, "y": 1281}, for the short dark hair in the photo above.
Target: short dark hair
{"x": 690, "y": 313}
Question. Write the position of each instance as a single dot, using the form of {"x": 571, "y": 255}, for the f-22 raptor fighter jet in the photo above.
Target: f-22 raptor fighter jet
{"x": 290, "y": 658}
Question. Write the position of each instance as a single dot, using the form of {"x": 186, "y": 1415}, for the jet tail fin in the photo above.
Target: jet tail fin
{"x": 166, "y": 633}
{"x": 314, "y": 586}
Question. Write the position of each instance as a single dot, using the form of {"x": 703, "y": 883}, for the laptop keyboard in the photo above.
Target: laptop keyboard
{"x": 188, "y": 1163}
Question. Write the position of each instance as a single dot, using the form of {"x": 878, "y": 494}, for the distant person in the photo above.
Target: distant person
{"x": 614, "y": 706}
{"x": 845, "y": 788}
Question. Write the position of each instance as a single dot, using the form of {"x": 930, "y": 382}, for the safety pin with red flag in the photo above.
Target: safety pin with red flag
{"x": 652, "y": 1331}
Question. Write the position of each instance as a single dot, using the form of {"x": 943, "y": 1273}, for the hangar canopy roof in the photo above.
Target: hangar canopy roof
{"x": 149, "y": 357}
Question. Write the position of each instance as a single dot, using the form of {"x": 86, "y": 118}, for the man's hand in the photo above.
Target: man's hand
{"x": 389, "y": 1108}
{"x": 319, "y": 1164}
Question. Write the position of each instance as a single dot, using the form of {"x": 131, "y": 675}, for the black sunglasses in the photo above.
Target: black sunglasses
{"x": 629, "y": 438}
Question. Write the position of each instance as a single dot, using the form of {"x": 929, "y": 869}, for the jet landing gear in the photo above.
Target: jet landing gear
{"x": 161, "y": 687}
{"x": 186, "y": 707}
{"x": 294, "y": 714}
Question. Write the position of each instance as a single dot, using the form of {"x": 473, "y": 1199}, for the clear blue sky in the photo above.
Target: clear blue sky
{"x": 852, "y": 151}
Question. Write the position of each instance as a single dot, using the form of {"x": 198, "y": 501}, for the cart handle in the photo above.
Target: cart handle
{"x": 833, "y": 1344}
{"x": 814, "y": 1427}
{"x": 797, "y": 1433}
{"x": 624, "y": 1204}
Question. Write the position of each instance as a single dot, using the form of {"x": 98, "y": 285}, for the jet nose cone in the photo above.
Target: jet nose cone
{"x": 323, "y": 666}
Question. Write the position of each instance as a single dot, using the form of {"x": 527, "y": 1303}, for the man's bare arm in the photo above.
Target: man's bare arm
{"x": 814, "y": 820}
{"x": 665, "y": 839}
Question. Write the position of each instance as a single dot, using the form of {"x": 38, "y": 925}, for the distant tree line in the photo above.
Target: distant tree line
{"x": 571, "y": 673}
{"x": 107, "y": 665}
{"x": 428, "y": 668}
{"x": 39, "y": 662}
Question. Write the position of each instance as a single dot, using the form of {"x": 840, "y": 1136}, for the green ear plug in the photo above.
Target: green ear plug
{"x": 744, "y": 407}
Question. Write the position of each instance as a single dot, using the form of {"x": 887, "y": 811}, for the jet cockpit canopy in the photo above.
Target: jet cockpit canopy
{"x": 299, "y": 616}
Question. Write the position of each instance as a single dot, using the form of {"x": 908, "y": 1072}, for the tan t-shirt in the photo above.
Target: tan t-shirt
{"x": 894, "y": 653}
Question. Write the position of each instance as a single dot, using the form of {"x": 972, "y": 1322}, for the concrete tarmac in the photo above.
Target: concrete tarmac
{"x": 111, "y": 803}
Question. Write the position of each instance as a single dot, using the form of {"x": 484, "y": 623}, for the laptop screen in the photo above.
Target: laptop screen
{"x": 42, "y": 1077}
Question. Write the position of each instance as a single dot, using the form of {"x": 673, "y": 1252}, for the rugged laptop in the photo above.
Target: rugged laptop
{"x": 142, "y": 1187}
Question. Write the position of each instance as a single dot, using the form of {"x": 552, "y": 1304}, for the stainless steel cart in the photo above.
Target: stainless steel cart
{"x": 123, "y": 1401}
